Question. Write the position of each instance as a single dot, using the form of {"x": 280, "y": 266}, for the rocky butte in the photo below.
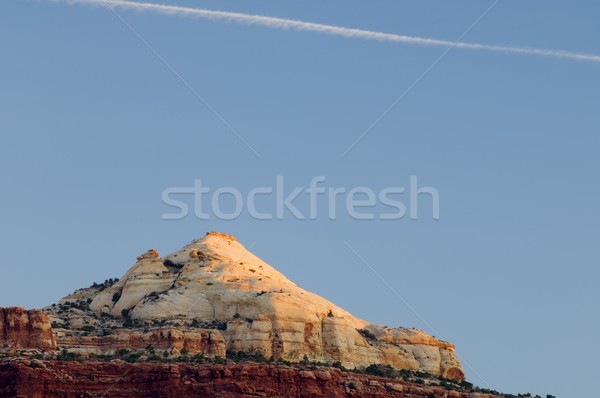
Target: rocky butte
{"x": 210, "y": 299}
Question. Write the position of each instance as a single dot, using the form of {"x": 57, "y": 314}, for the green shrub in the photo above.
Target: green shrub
{"x": 242, "y": 356}
{"x": 123, "y": 352}
{"x": 133, "y": 357}
{"x": 366, "y": 334}
{"x": 169, "y": 263}
{"x": 219, "y": 361}
{"x": 198, "y": 358}
{"x": 67, "y": 356}
{"x": 380, "y": 370}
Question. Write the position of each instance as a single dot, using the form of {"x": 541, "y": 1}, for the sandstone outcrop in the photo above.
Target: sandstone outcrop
{"x": 236, "y": 302}
{"x": 51, "y": 379}
{"x": 20, "y": 328}
{"x": 173, "y": 340}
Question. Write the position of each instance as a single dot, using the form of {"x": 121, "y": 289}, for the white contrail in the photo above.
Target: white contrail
{"x": 283, "y": 23}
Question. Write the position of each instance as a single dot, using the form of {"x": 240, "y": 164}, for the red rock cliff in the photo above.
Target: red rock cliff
{"x": 22, "y": 328}
{"x": 51, "y": 379}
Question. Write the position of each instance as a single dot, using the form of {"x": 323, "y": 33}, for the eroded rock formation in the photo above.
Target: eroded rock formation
{"x": 20, "y": 328}
{"x": 172, "y": 340}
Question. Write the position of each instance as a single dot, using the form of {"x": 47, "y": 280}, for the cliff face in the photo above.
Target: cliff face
{"x": 50, "y": 379}
{"x": 172, "y": 340}
{"x": 20, "y": 328}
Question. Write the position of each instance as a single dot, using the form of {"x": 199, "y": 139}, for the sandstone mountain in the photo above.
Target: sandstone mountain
{"x": 214, "y": 297}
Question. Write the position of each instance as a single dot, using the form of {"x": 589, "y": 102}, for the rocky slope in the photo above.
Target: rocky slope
{"x": 50, "y": 379}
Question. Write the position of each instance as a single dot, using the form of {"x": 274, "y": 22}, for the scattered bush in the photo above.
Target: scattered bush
{"x": 66, "y": 355}
{"x": 198, "y": 358}
{"x": 152, "y": 296}
{"x": 380, "y": 370}
{"x": 105, "y": 284}
{"x": 169, "y": 263}
{"x": 219, "y": 361}
{"x": 133, "y": 357}
{"x": 242, "y": 356}
{"x": 366, "y": 334}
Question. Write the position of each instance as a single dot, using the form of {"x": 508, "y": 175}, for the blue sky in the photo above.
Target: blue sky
{"x": 94, "y": 127}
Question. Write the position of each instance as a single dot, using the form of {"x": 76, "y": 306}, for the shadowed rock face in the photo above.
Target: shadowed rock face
{"x": 22, "y": 328}
{"x": 215, "y": 280}
{"x": 50, "y": 379}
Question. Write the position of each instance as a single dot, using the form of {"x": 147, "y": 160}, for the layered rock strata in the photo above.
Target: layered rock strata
{"x": 50, "y": 379}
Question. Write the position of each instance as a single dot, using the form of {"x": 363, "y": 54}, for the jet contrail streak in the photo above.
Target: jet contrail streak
{"x": 291, "y": 24}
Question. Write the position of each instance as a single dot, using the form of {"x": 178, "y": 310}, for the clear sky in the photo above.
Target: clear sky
{"x": 94, "y": 127}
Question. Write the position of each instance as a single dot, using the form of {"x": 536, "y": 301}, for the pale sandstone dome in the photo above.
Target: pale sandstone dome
{"x": 216, "y": 279}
